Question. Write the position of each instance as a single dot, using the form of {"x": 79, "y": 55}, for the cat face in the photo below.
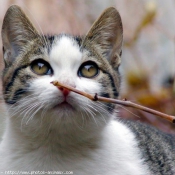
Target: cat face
{"x": 33, "y": 61}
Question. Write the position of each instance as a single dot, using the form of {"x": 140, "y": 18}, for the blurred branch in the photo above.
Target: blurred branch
{"x": 120, "y": 102}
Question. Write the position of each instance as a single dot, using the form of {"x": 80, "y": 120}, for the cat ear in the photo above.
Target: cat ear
{"x": 17, "y": 31}
{"x": 106, "y": 34}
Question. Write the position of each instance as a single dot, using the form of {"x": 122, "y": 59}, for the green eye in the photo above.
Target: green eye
{"x": 41, "y": 67}
{"x": 88, "y": 70}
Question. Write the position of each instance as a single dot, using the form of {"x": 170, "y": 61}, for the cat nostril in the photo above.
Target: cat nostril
{"x": 61, "y": 88}
{"x": 64, "y": 91}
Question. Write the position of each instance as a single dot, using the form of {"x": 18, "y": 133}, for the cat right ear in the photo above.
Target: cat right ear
{"x": 17, "y": 31}
{"x": 106, "y": 36}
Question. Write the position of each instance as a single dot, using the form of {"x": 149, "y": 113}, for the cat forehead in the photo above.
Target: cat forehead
{"x": 65, "y": 50}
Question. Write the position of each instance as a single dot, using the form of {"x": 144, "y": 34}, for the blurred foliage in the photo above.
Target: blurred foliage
{"x": 139, "y": 89}
{"x": 139, "y": 92}
{"x": 150, "y": 13}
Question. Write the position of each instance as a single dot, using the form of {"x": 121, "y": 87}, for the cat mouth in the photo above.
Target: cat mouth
{"x": 64, "y": 106}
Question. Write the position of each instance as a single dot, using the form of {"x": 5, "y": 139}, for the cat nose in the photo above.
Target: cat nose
{"x": 64, "y": 91}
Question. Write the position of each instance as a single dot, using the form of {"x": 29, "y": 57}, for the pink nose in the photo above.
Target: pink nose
{"x": 64, "y": 91}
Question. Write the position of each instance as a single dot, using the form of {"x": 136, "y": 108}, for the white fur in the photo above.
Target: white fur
{"x": 65, "y": 52}
{"x": 117, "y": 154}
{"x": 42, "y": 135}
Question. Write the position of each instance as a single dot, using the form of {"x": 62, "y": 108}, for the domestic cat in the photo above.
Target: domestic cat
{"x": 52, "y": 129}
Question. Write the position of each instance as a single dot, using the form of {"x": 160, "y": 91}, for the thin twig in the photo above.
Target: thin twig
{"x": 120, "y": 102}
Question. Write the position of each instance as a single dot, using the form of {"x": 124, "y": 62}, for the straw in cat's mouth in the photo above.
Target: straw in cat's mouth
{"x": 120, "y": 102}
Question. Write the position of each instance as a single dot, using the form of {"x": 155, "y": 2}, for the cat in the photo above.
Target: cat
{"x": 51, "y": 129}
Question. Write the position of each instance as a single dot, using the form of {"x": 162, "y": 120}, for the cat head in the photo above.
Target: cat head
{"x": 88, "y": 63}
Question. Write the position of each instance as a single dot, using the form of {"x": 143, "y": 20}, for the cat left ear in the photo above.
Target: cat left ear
{"x": 106, "y": 34}
{"x": 17, "y": 31}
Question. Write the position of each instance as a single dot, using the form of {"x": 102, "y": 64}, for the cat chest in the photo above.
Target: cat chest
{"x": 109, "y": 158}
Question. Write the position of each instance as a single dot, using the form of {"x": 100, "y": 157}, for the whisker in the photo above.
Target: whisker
{"x": 128, "y": 111}
{"x": 28, "y": 111}
{"x": 44, "y": 111}
{"x": 92, "y": 114}
{"x": 31, "y": 117}
{"x": 100, "y": 108}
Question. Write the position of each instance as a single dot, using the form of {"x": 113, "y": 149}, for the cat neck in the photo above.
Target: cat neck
{"x": 55, "y": 136}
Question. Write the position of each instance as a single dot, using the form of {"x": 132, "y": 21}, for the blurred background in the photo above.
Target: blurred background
{"x": 148, "y": 59}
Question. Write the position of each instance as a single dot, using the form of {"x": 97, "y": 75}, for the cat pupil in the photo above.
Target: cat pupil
{"x": 40, "y": 65}
{"x": 88, "y": 67}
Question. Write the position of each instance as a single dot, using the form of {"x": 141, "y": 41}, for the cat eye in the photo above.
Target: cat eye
{"x": 88, "y": 70}
{"x": 41, "y": 67}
